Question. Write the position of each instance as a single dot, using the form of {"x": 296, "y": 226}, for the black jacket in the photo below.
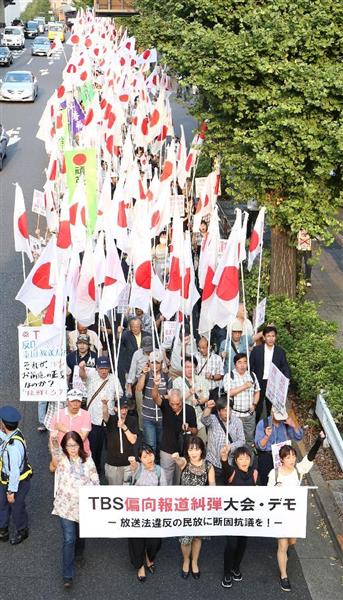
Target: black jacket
{"x": 279, "y": 360}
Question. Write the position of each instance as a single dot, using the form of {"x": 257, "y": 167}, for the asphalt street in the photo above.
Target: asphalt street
{"x": 32, "y": 570}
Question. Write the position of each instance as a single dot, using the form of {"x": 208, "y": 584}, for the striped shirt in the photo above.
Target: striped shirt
{"x": 150, "y": 410}
{"x": 242, "y": 402}
{"x": 217, "y": 437}
{"x": 212, "y": 365}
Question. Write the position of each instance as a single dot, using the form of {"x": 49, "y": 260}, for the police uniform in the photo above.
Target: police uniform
{"x": 15, "y": 474}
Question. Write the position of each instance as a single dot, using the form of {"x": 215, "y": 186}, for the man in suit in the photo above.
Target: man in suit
{"x": 131, "y": 341}
{"x": 260, "y": 360}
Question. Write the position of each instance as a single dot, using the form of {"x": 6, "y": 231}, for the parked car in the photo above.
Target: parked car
{"x": 3, "y": 145}
{"x": 6, "y": 56}
{"x": 41, "y": 46}
{"x": 31, "y": 29}
{"x": 13, "y": 37}
{"x": 19, "y": 86}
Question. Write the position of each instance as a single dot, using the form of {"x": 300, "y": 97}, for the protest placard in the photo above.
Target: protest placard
{"x": 199, "y": 185}
{"x": 222, "y": 246}
{"x": 177, "y": 202}
{"x": 169, "y": 328}
{"x": 153, "y": 511}
{"x": 277, "y": 388}
{"x": 123, "y": 300}
{"x": 42, "y": 364}
{"x": 36, "y": 247}
{"x": 260, "y": 313}
{"x": 38, "y": 203}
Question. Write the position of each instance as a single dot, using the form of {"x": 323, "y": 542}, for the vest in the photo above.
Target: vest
{"x": 25, "y": 468}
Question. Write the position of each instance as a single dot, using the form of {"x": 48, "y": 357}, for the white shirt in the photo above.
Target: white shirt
{"x": 268, "y": 357}
{"x": 108, "y": 392}
{"x": 95, "y": 344}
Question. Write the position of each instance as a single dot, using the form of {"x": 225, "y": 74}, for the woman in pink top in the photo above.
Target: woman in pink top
{"x": 72, "y": 418}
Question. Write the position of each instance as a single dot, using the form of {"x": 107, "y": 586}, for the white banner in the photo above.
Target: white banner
{"x": 277, "y": 388}
{"x": 177, "y": 203}
{"x": 123, "y": 300}
{"x": 260, "y": 313}
{"x": 42, "y": 364}
{"x": 133, "y": 511}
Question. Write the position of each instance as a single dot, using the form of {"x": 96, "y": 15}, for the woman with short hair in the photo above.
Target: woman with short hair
{"x": 288, "y": 475}
{"x": 74, "y": 468}
{"x": 195, "y": 471}
{"x": 143, "y": 551}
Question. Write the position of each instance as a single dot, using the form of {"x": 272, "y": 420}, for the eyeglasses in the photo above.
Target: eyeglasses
{"x": 72, "y": 445}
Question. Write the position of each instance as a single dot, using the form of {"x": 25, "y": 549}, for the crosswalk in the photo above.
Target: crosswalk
{"x": 14, "y": 135}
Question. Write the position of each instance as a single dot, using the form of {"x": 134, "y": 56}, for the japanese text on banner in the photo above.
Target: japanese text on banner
{"x": 42, "y": 364}
{"x": 123, "y": 511}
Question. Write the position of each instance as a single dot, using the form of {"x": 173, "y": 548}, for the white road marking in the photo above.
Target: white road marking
{"x": 13, "y": 135}
{"x": 30, "y": 61}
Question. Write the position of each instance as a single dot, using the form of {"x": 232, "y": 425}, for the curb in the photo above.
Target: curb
{"x": 326, "y": 504}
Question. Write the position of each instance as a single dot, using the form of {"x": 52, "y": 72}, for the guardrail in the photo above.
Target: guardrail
{"x": 332, "y": 434}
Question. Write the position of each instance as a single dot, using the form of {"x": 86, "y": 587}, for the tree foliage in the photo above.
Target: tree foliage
{"x": 270, "y": 81}
{"x": 36, "y": 8}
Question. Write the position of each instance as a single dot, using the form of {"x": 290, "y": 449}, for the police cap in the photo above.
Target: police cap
{"x": 9, "y": 414}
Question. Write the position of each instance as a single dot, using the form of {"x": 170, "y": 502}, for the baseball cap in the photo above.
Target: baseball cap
{"x": 83, "y": 338}
{"x": 279, "y": 415}
{"x": 236, "y": 325}
{"x": 103, "y": 362}
{"x": 156, "y": 356}
{"x": 9, "y": 414}
{"x": 147, "y": 344}
{"x": 74, "y": 395}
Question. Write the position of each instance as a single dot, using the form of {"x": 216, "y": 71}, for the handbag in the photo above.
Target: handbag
{"x": 96, "y": 393}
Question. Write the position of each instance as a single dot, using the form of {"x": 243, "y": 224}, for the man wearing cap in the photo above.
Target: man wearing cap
{"x": 117, "y": 466}
{"x": 238, "y": 345}
{"x": 95, "y": 344}
{"x": 151, "y": 414}
{"x": 139, "y": 360}
{"x": 82, "y": 353}
{"x": 100, "y": 384}
{"x": 15, "y": 474}
{"x": 276, "y": 428}
{"x": 72, "y": 418}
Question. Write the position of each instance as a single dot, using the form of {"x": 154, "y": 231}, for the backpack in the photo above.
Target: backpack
{"x": 254, "y": 476}
{"x": 276, "y": 471}
{"x": 136, "y": 475}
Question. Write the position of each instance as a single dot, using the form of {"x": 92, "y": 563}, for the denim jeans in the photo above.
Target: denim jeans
{"x": 72, "y": 546}
{"x": 41, "y": 412}
{"x": 152, "y": 433}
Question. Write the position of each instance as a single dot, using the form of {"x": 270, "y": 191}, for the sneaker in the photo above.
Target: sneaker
{"x": 41, "y": 427}
{"x": 67, "y": 584}
{"x": 285, "y": 585}
{"x": 308, "y": 284}
{"x": 236, "y": 575}
{"x": 227, "y": 582}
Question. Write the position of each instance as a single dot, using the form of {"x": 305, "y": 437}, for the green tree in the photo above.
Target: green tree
{"x": 36, "y": 8}
{"x": 270, "y": 81}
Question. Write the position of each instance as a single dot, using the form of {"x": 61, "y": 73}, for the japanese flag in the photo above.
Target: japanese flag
{"x": 20, "y": 226}
{"x": 86, "y": 294}
{"x": 256, "y": 240}
{"x": 226, "y": 279}
{"x": 114, "y": 282}
{"x": 38, "y": 288}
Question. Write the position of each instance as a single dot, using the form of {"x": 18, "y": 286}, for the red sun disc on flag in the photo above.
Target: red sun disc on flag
{"x": 122, "y": 222}
{"x": 59, "y": 122}
{"x": 155, "y": 218}
{"x": 84, "y": 76}
{"x": 81, "y": 62}
{"x": 75, "y": 39}
{"x": 146, "y": 54}
{"x": 186, "y": 283}
{"x": 64, "y": 238}
{"x": 111, "y": 120}
{"x": 122, "y": 61}
{"x": 175, "y": 282}
{"x": 124, "y": 98}
{"x": 199, "y": 206}
{"x": 109, "y": 280}
{"x": 91, "y": 289}
{"x": 88, "y": 42}
{"x": 167, "y": 170}
{"x": 254, "y": 240}
{"x": 50, "y": 312}
{"x": 228, "y": 285}
{"x": 79, "y": 159}
{"x": 144, "y": 126}
{"x": 155, "y": 117}
{"x": 60, "y": 91}
{"x": 89, "y": 117}
{"x": 208, "y": 285}
{"x": 83, "y": 216}
{"x": 96, "y": 51}
{"x": 22, "y": 226}
{"x": 41, "y": 277}
{"x": 143, "y": 275}
{"x": 73, "y": 213}
{"x": 109, "y": 143}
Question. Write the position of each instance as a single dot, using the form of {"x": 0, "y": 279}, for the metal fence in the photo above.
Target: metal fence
{"x": 333, "y": 435}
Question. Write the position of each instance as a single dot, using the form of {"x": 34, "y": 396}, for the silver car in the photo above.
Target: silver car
{"x": 19, "y": 86}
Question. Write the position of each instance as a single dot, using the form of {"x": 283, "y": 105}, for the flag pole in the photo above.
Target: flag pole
{"x": 258, "y": 284}
{"x": 24, "y": 275}
{"x": 228, "y": 385}
{"x": 153, "y": 346}
{"x": 116, "y": 383}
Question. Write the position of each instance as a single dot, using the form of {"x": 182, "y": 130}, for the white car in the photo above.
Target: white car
{"x": 19, "y": 86}
{"x": 13, "y": 37}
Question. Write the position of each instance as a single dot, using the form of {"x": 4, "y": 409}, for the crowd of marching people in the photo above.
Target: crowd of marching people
{"x": 143, "y": 407}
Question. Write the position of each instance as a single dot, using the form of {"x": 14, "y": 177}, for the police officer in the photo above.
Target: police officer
{"x": 15, "y": 474}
